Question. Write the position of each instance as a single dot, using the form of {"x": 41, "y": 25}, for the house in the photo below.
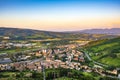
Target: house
{"x": 16, "y": 65}
{"x": 76, "y": 59}
{"x": 31, "y": 66}
{"x": 18, "y": 45}
{"x": 76, "y": 55}
{"x": 38, "y": 54}
{"x": 5, "y": 60}
{"x": 81, "y": 59}
{"x": 84, "y": 67}
{"x": 3, "y": 67}
{"x": 6, "y": 37}
{"x": 8, "y": 67}
{"x": 119, "y": 76}
{"x": 1, "y": 46}
{"x": 114, "y": 72}
{"x": 88, "y": 70}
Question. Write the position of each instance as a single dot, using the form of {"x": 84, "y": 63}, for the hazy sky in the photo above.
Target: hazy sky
{"x": 60, "y": 15}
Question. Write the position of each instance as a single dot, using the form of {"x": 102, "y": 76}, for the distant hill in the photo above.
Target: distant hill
{"x": 106, "y": 51}
{"x": 112, "y": 31}
{"x": 17, "y": 33}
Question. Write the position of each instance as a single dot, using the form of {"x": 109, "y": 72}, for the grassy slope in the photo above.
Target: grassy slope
{"x": 105, "y": 51}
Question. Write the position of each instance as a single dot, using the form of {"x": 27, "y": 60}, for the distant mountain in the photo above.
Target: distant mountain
{"x": 112, "y": 31}
{"x": 17, "y": 33}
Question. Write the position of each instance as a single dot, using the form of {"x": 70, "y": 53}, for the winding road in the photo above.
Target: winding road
{"x": 89, "y": 58}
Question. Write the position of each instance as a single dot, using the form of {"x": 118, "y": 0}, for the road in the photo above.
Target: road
{"x": 89, "y": 58}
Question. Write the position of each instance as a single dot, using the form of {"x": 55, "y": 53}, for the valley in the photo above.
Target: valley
{"x": 77, "y": 57}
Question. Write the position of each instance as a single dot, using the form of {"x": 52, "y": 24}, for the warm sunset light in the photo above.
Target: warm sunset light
{"x": 59, "y": 39}
{"x": 60, "y": 15}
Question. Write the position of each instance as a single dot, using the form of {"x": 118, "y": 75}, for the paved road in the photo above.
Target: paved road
{"x": 113, "y": 77}
{"x": 89, "y": 58}
{"x": 100, "y": 64}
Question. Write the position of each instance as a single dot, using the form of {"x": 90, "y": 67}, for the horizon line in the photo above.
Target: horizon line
{"x": 55, "y": 30}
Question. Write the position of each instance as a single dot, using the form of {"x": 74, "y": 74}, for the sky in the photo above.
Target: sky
{"x": 60, "y": 15}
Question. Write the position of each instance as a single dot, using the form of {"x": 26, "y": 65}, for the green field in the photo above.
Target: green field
{"x": 105, "y": 51}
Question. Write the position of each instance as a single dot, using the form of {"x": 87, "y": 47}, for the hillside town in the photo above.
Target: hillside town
{"x": 64, "y": 56}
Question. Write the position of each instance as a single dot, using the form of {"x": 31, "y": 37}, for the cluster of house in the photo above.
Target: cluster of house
{"x": 23, "y": 56}
{"x": 8, "y": 45}
{"x": 4, "y": 58}
{"x": 37, "y": 64}
{"x": 110, "y": 73}
{"x": 49, "y": 61}
{"x": 73, "y": 60}
{"x": 77, "y": 56}
{"x": 4, "y": 38}
{"x": 69, "y": 46}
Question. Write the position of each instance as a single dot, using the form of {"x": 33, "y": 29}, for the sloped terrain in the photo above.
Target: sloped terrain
{"x": 106, "y": 51}
{"x": 24, "y": 34}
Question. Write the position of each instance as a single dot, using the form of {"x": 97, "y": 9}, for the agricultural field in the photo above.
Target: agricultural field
{"x": 105, "y": 51}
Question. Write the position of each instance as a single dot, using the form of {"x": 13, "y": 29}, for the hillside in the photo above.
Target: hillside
{"x": 112, "y": 31}
{"x": 16, "y": 33}
{"x": 23, "y": 34}
{"x": 106, "y": 51}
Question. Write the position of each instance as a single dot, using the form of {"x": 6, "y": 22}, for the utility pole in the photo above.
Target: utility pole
{"x": 43, "y": 70}
{"x": 54, "y": 73}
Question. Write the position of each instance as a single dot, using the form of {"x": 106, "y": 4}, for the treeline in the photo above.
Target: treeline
{"x": 51, "y": 74}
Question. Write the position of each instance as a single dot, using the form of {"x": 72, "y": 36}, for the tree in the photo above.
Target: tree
{"x": 37, "y": 75}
